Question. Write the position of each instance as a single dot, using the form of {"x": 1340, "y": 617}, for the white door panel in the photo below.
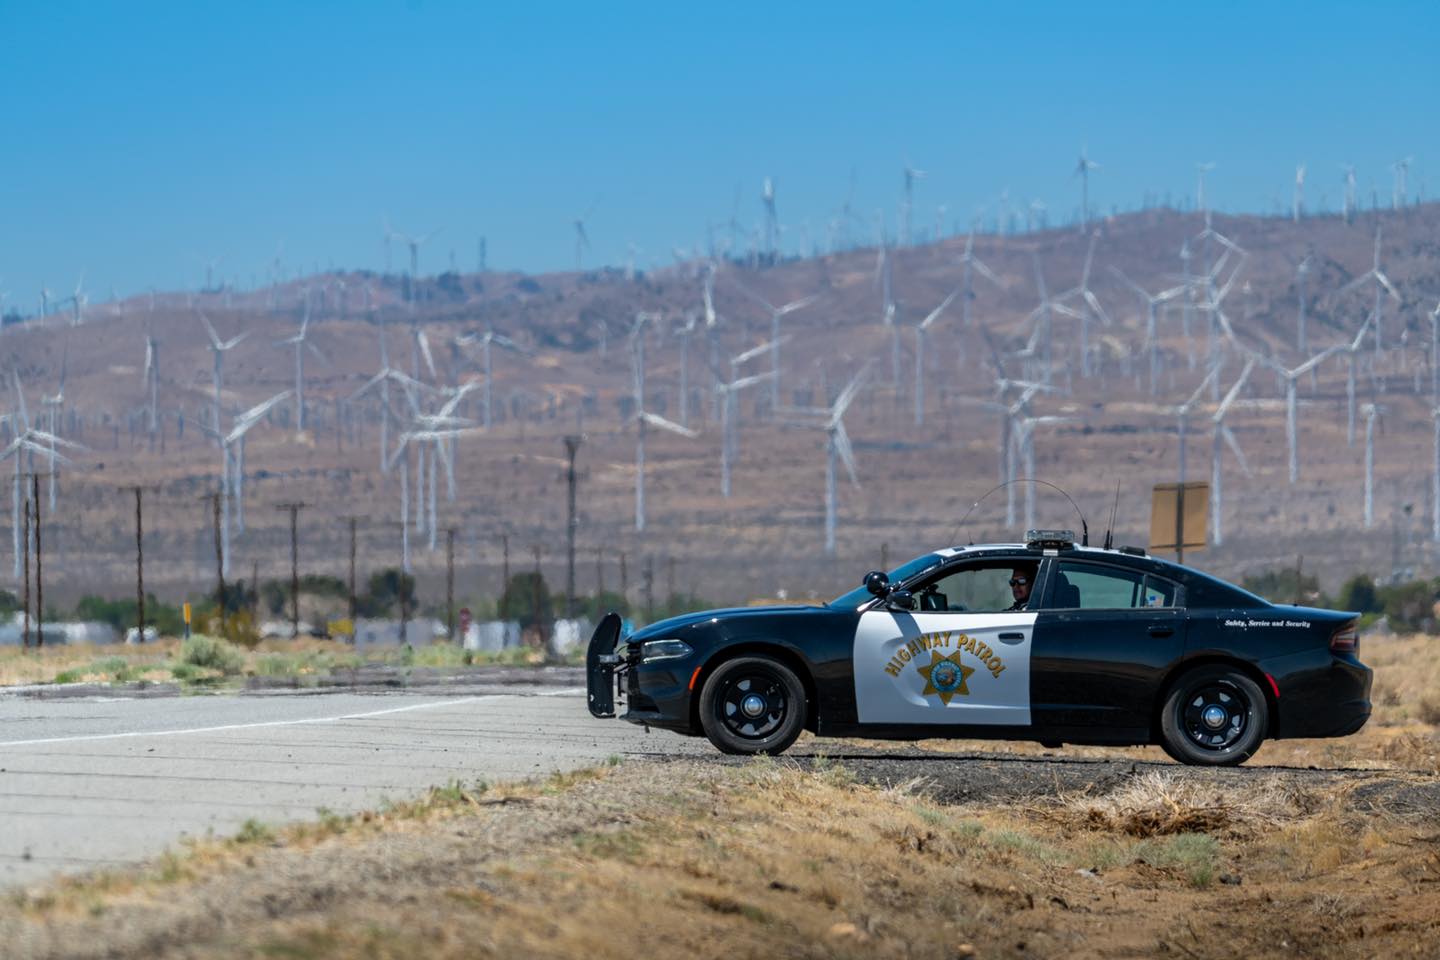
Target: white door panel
{"x": 943, "y": 667}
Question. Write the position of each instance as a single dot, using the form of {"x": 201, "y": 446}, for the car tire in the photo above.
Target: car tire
{"x": 1214, "y": 716}
{"x": 752, "y": 705}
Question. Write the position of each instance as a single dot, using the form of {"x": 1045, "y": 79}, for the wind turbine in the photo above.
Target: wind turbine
{"x": 486, "y": 340}
{"x": 152, "y": 381}
{"x": 920, "y": 331}
{"x": 1349, "y": 201}
{"x": 1182, "y": 412}
{"x": 219, "y": 348}
{"x": 1352, "y": 349}
{"x": 1220, "y": 432}
{"x": 1371, "y": 412}
{"x": 772, "y": 222}
{"x": 1082, "y": 170}
{"x": 837, "y": 446}
{"x": 55, "y": 406}
{"x": 1023, "y": 436}
{"x": 1200, "y": 170}
{"x": 1088, "y": 303}
{"x": 27, "y": 442}
{"x": 301, "y": 345}
{"x": 775, "y": 314}
{"x": 1382, "y": 287}
{"x": 1302, "y": 270}
{"x": 971, "y": 264}
{"x": 582, "y": 238}
{"x": 643, "y": 419}
{"x": 1044, "y": 317}
{"x": 1402, "y": 170}
{"x": 1290, "y": 376}
{"x": 907, "y": 227}
{"x": 77, "y": 303}
{"x": 1151, "y": 302}
{"x": 729, "y": 395}
{"x": 1298, "y": 203}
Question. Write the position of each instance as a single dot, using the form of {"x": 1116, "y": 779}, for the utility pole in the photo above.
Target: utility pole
{"x": 572, "y": 444}
{"x": 39, "y": 569}
{"x": 27, "y": 573}
{"x": 535, "y": 601}
{"x": 450, "y": 582}
{"x": 354, "y": 600}
{"x": 294, "y": 510}
{"x": 220, "y": 599}
{"x": 139, "y": 568}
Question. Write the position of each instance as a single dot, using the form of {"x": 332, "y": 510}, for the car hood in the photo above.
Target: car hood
{"x": 670, "y": 625}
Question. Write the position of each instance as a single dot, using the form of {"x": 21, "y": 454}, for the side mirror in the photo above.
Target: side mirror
{"x": 877, "y": 582}
{"x": 903, "y": 599}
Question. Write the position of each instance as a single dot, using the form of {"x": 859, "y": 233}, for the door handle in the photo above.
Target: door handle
{"x": 1012, "y": 638}
{"x": 1159, "y": 631}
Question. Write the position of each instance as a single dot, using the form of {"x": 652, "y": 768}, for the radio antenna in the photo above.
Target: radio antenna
{"x": 1084, "y": 525}
{"x": 1110, "y": 530}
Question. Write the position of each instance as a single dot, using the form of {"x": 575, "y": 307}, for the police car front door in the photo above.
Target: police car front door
{"x": 960, "y": 657}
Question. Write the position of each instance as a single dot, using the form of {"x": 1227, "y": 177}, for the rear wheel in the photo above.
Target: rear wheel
{"x": 1214, "y": 716}
{"x": 752, "y": 705}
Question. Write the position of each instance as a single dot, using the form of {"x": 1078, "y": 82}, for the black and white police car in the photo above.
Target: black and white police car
{"x": 1110, "y": 647}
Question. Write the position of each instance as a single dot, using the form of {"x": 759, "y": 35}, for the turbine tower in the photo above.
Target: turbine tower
{"x": 1082, "y": 170}
{"x": 219, "y": 348}
{"x": 1382, "y": 287}
{"x": 301, "y": 345}
{"x": 837, "y": 446}
{"x": 1219, "y": 433}
{"x": 1298, "y": 203}
{"x": 776, "y": 313}
{"x": 921, "y": 329}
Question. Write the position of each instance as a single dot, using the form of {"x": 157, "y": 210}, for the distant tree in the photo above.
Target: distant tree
{"x": 527, "y": 599}
{"x": 1359, "y": 594}
{"x": 1280, "y": 586}
{"x": 383, "y": 592}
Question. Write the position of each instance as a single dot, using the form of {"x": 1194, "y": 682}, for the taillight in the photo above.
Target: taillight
{"x": 1346, "y": 639}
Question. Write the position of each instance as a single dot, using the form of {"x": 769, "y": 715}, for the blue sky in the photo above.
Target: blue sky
{"x": 138, "y": 135}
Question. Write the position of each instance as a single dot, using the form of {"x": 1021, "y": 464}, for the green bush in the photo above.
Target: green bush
{"x": 212, "y": 653}
{"x": 527, "y": 599}
{"x": 1410, "y": 607}
{"x": 383, "y": 592}
{"x": 120, "y": 614}
{"x": 1285, "y": 586}
{"x": 1359, "y": 594}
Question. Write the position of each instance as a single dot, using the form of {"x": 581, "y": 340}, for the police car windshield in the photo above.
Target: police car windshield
{"x": 853, "y": 599}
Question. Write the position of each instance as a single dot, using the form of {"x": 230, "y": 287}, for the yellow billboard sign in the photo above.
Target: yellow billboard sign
{"x": 1178, "y": 517}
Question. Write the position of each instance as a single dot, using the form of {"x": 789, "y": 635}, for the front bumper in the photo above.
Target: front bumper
{"x": 653, "y": 694}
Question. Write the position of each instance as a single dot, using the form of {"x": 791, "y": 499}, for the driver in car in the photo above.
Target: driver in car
{"x": 1022, "y": 581}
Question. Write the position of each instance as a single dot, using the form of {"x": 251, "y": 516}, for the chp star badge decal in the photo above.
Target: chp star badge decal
{"x": 945, "y": 676}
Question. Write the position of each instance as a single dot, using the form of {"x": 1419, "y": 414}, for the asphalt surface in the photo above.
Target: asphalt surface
{"x": 96, "y": 781}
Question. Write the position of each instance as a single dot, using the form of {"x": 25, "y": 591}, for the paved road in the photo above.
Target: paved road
{"x": 100, "y": 781}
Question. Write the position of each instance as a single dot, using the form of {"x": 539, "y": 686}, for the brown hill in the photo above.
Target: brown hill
{"x": 767, "y": 538}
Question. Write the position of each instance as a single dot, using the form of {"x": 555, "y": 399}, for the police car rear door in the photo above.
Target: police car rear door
{"x": 959, "y": 657}
{"x": 1107, "y": 634}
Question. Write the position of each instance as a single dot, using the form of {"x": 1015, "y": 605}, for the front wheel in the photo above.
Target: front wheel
{"x": 1214, "y": 716}
{"x": 752, "y": 705}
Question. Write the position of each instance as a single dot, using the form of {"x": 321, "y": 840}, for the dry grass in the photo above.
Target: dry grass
{"x": 303, "y": 659}
{"x": 765, "y": 860}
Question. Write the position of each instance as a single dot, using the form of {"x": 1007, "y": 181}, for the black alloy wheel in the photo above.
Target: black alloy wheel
{"x": 1214, "y": 716}
{"x": 752, "y": 705}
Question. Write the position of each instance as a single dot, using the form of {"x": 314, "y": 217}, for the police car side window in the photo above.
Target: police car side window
{"x": 1083, "y": 586}
{"x": 984, "y": 587}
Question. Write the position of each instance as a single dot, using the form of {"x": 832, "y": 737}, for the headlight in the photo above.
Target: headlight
{"x": 664, "y": 650}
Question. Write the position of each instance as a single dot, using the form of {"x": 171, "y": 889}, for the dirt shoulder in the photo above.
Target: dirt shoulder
{"x": 862, "y": 856}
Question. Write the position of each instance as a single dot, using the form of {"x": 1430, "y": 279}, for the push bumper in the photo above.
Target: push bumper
{"x": 601, "y": 662}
